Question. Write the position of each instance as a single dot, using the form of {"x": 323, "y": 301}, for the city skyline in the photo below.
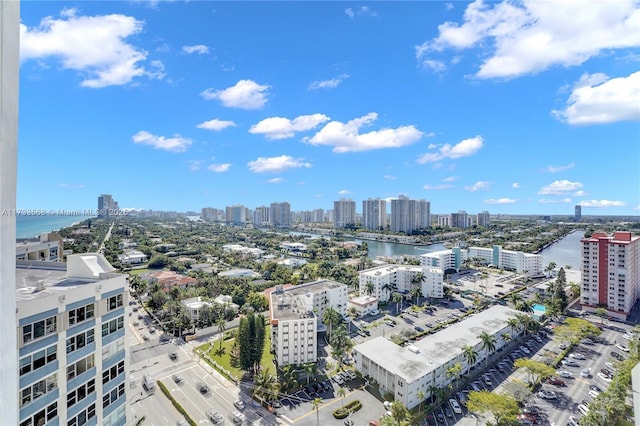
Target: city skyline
{"x": 195, "y": 104}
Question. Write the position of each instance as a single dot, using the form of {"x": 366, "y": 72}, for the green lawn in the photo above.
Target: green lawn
{"x": 223, "y": 358}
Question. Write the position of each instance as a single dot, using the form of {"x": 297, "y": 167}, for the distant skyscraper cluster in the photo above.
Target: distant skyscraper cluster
{"x": 578, "y": 213}
{"x": 408, "y": 215}
{"x": 107, "y": 206}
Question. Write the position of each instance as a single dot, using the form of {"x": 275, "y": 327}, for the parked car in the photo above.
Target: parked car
{"x": 622, "y": 347}
{"x": 610, "y": 366}
{"x": 593, "y": 394}
{"x": 569, "y": 363}
{"x": 583, "y": 409}
{"x": 595, "y": 388}
{"x": 564, "y": 373}
{"x": 585, "y": 373}
{"x": 556, "y": 381}
{"x": 587, "y": 341}
{"x": 239, "y": 404}
{"x": 606, "y": 372}
{"x": 178, "y": 379}
{"x": 461, "y": 397}
{"x": 455, "y": 406}
{"x": 487, "y": 380}
{"x": 617, "y": 356}
{"x": 577, "y": 355}
{"x": 573, "y": 421}
{"x": 527, "y": 419}
{"x": 545, "y": 394}
{"x": 604, "y": 377}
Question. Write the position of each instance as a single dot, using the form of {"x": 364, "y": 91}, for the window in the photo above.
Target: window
{"x": 115, "y": 417}
{"x": 80, "y": 393}
{"x": 113, "y": 372}
{"x": 39, "y": 329}
{"x": 38, "y": 389}
{"x": 83, "y": 417}
{"x": 112, "y": 349}
{"x": 41, "y": 417}
{"x": 80, "y": 340}
{"x": 83, "y": 313}
{"x": 38, "y": 359}
{"x": 114, "y": 302}
{"x": 80, "y": 367}
{"x": 111, "y": 397}
{"x": 112, "y": 326}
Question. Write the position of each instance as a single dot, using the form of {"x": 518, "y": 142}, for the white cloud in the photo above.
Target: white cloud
{"x": 437, "y": 187}
{"x": 555, "y": 201}
{"x": 481, "y": 185}
{"x": 580, "y": 193}
{"x": 328, "y": 84}
{"x": 434, "y": 65}
{"x": 216, "y": 125}
{"x": 449, "y": 6}
{"x": 560, "y": 187}
{"x": 450, "y": 179}
{"x": 602, "y": 203}
{"x": 596, "y": 101}
{"x": 345, "y": 137}
{"x": 282, "y": 128}
{"x": 515, "y": 185}
{"x": 176, "y": 143}
{"x": 519, "y": 38}
{"x": 344, "y": 192}
{"x": 390, "y": 177}
{"x": 500, "y": 201}
{"x": 94, "y": 46}
{"x": 219, "y": 168}
{"x": 360, "y": 11}
{"x": 463, "y": 148}
{"x": 198, "y": 48}
{"x": 275, "y": 180}
{"x": 246, "y": 94}
{"x": 556, "y": 169}
{"x": 276, "y": 164}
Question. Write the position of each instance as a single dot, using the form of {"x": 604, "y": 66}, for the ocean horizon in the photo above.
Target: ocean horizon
{"x": 33, "y": 226}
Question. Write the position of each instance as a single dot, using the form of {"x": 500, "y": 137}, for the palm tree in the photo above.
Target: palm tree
{"x": 470, "y": 355}
{"x": 397, "y": 297}
{"x": 550, "y": 267}
{"x": 574, "y": 289}
{"x": 525, "y": 306}
{"x": 316, "y": 406}
{"x": 454, "y": 372}
{"x": 222, "y": 326}
{"x": 513, "y": 325}
{"x": 330, "y": 317}
{"x": 523, "y": 321}
{"x": 368, "y": 288}
{"x": 488, "y": 344}
{"x": 417, "y": 293}
{"x": 341, "y": 393}
{"x": 309, "y": 369}
{"x": 506, "y": 337}
{"x": 266, "y": 385}
{"x": 515, "y": 298}
{"x": 421, "y": 395}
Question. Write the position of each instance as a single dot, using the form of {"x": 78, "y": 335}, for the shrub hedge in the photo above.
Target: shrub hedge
{"x": 175, "y": 403}
{"x": 351, "y": 407}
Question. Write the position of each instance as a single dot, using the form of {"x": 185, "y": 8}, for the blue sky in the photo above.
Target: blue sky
{"x": 514, "y": 108}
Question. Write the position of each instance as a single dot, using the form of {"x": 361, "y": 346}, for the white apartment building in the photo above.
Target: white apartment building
{"x": 405, "y": 371}
{"x": 48, "y": 247}
{"x": 484, "y": 219}
{"x": 280, "y": 215}
{"x": 374, "y": 214}
{"x": 72, "y": 348}
{"x": 443, "y": 259}
{"x": 381, "y": 281}
{"x": 132, "y": 257}
{"x": 344, "y": 213}
{"x": 364, "y": 305}
{"x": 611, "y": 272}
{"x": 295, "y": 314}
{"x": 407, "y": 215}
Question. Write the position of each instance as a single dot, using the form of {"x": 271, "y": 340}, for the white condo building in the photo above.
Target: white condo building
{"x": 381, "y": 281}
{"x": 422, "y": 366}
{"x": 280, "y": 215}
{"x": 48, "y": 248}
{"x": 72, "y": 348}
{"x": 295, "y": 314}
{"x": 610, "y": 272}
{"x": 344, "y": 213}
{"x": 374, "y": 214}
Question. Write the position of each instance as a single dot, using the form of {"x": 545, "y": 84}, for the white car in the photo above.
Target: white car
{"x": 547, "y": 394}
{"x": 610, "y": 366}
{"x": 583, "y": 409}
{"x": 525, "y": 350}
{"x": 215, "y": 417}
{"x": 564, "y": 373}
{"x": 569, "y": 363}
{"x": 577, "y": 355}
{"x": 622, "y": 347}
{"x": 239, "y": 404}
{"x": 593, "y": 393}
{"x": 573, "y": 421}
{"x": 627, "y": 337}
{"x": 454, "y": 406}
{"x": 604, "y": 377}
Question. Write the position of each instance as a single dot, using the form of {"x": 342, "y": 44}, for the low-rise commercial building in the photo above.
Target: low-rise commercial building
{"x": 364, "y": 305}
{"x": 422, "y": 366}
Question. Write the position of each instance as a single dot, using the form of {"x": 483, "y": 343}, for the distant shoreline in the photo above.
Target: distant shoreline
{"x": 32, "y": 226}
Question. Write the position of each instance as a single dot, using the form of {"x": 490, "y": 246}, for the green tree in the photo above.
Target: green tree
{"x": 330, "y": 318}
{"x": 222, "y": 326}
{"x": 368, "y": 288}
{"x": 158, "y": 262}
{"x": 309, "y": 370}
{"x": 454, "y": 372}
{"x": 504, "y": 408}
{"x": 536, "y": 370}
{"x": 400, "y": 414}
{"x": 341, "y": 344}
{"x": 488, "y": 342}
{"x": 251, "y": 338}
{"x": 266, "y": 385}
{"x": 470, "y": 355}
{"x": 316, "y": 406}
{"x": 257, "y": 301}
{"x": 520, "y": 391}
{"x": 602, "y": 313}
{"x": 341, "y": 394}
{"x": 397, "y": 298}
{"x": 550, "y": 267}
{"x": 421, "y": 396}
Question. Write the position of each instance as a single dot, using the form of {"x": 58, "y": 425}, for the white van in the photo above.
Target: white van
{"x": 148, "y": 384}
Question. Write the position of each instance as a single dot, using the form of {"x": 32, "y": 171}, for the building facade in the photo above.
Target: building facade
{"x": 577, "y": 213}
{"x": 484, "y": 219}
{"x": 382, "y": 281}
{"x": 459, "y": 220}
{"x": 72, "y": 342}
{"x": 406, "y": 372}
{"x": 107, "y": 206}
{"x": 374, "y": 214}
{"x": 236, "y": 214}
{"x": 610, "y": 272}
{"x": 280, "y": 215}
{"x": 344, "y": 213}
{"x": 48, "y": 248}
{"x": 295, "y": 315}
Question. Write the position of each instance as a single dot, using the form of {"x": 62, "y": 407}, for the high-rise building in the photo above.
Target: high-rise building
{"x": 423, "y": 214}
{"x": 610, "y": 272}
{"x": 484, "y": 219}
{"x": 374, "y": 214}
{"x": 459, "y": 220}
{"x": 318, "y": 215}
{"x": 107, "y": 206}
{"x": 578, "y": 213}
{"x": 72, "y": 345}
{"x": 261, "y": 216}
{"x": 9, "y": 70}
{"x": 403, "y": 218}
{"x": 280, "y": 215}
{"x": 236, "y": 214}
{"x": 344, "y": 213}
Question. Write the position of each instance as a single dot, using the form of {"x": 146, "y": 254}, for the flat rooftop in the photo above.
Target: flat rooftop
{"x": 286, "y": 304}
{"x": 436, "y": 349}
